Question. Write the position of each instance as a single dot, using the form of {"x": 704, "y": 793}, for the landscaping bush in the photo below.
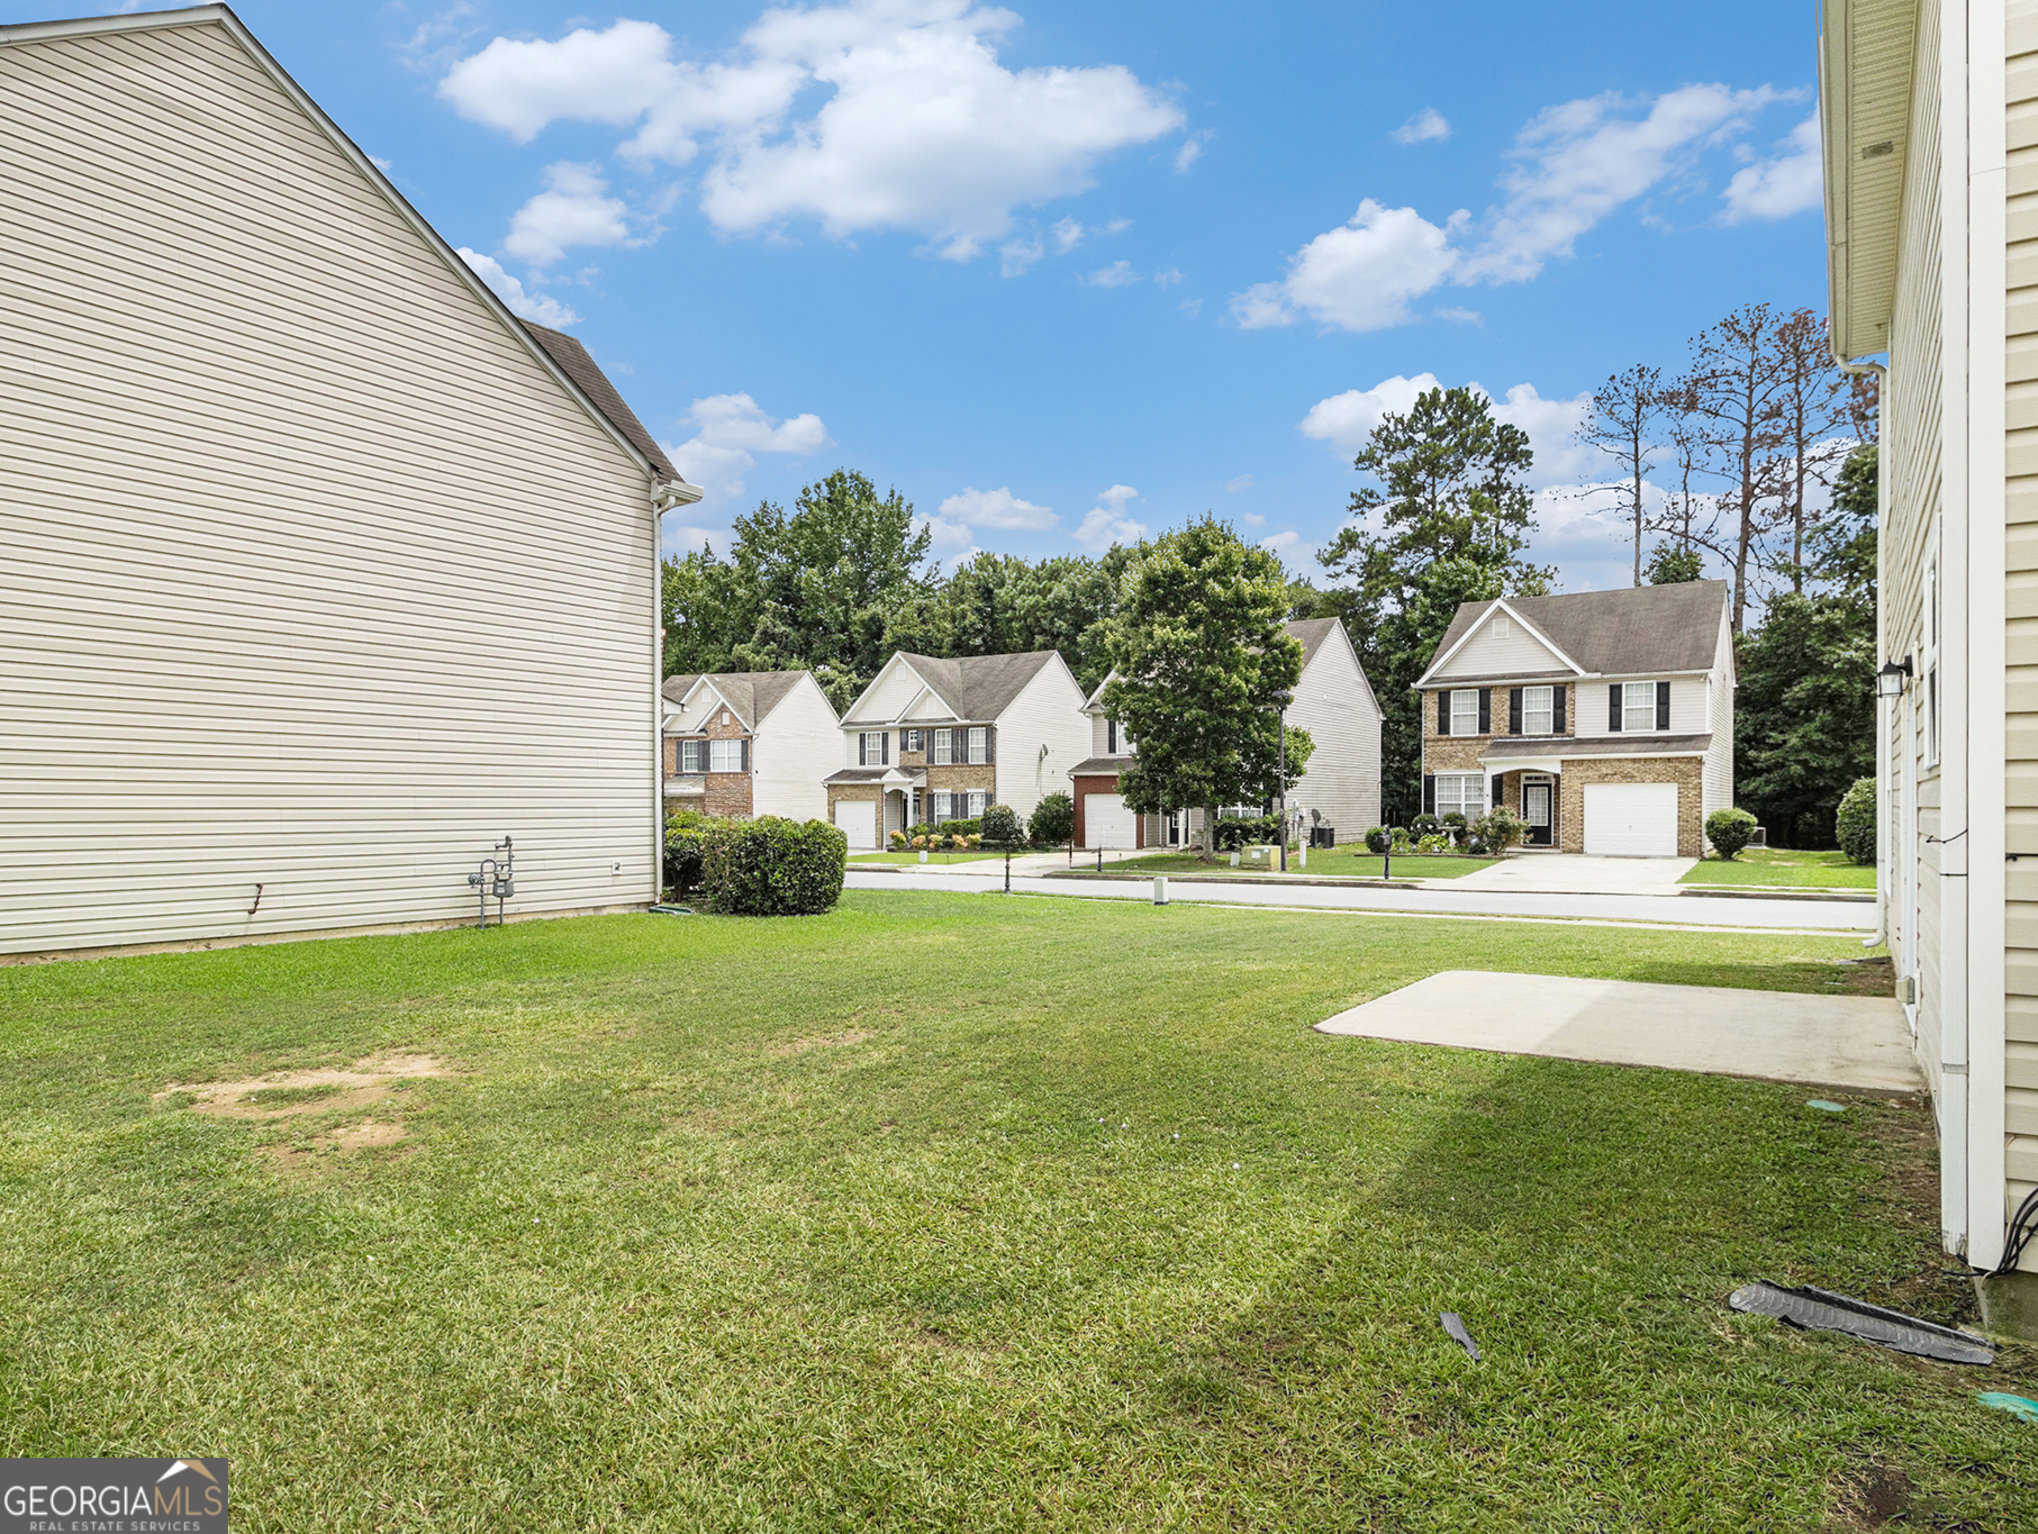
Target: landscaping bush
{"x": 1001, "y": 828}
{"x": 1729, "y": 831}
{"x": 1379, "y": 840}
{"x": 946, "y": 829}
{"x": 1232, "y": 832}
{"x": 1425, "y": 824}
{"x": 1497, "y": 830}
{"x": 1457, "y": 828}
{"x": 774, "y": 867}
{"x": 899, "y": 841}
{"x": 1435, "y": 843}
{"x": 1054, "y": 821}
{"x": 686, "y": 842}
{"x": 1854, "y": 822}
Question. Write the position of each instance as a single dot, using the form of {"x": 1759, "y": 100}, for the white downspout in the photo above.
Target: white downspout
{"x": 1885, "y": 833}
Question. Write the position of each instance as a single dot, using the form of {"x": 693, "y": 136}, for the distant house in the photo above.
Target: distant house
{"x": 321, "y": 573}
{"x": 747, "y": 743}
{"x": 1605, "y": 719}
{"x": 932, "y": 740}
{"x": 1333, "y": 701}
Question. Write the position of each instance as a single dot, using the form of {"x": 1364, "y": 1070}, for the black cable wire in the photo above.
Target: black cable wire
{"x": 2023, "y": 1226}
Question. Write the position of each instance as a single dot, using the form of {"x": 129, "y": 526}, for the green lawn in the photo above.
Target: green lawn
{"x": 1341, "y": 862}
{"x": 959, "y": 1212}
{"x": 903, "y": 858}
{"x": 1764, "y": 866}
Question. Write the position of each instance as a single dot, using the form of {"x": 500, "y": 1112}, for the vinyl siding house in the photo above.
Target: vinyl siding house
{"x": 747, "y": 743}
{"x": 1333, "y": 701}
{"x": 933, "y": 740}
{"x": 319, "y": 572}
{"x": 1929, "y": 118}
{"x": 1605, "y": 719}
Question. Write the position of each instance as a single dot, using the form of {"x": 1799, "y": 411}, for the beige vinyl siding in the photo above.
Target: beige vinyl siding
{"x": 2021, "y": 607}
{"x": 1100, "y": 738}
{"x": 1047, "y": 712}
{"x": 316, "y": 577}
{"x": 1333, "y": 703}
{"x": 1487, "y": 654}
{"x": 1688, "y": 708}
{"x": 889, "y": 697}
{"x": 794, "y": 745}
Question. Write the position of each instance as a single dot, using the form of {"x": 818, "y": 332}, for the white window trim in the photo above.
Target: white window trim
{"x": 1627, "y": 709}
{"x": 700, "y": 756}
{"x": 1471, "y": 694}
{"x": 1468, "y": 800}
{"x": 1548, "y": 711}
{"x": 944, "y": 753}
{"x": 716, "y": 747}
{"x": 977, "y": 745}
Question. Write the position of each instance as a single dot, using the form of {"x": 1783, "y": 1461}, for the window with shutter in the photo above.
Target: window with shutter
{"x": 1110, "y": 737}
{"x": 1557, "y": 697}
{"x": 1514, "y": 710}
{"x": 725, "y": 756}
{"x": 1485, "y": 711}
{"x": 1464, "y": 716}
{"x": 1537, "y": 712}
{"x": 1662, "y": 705}
{"x": 1613, "y": 706}
{"x": 944, "y": 748}
{"x": 1443, "y": 713}
{"x": 979, "y": 745}
{"x": 1639, "y": 707}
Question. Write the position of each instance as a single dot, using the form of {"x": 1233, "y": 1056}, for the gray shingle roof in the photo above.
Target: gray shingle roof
{"x": 1312, "y": 632}
{"x": 752, "y": 694}
{"x": 979, "y": 687}
{"x": 1098, "y": 766}
{"x": 577, "y": 365}
{"x": 1638, "y": 744}
{"x": 1616, "y": 633}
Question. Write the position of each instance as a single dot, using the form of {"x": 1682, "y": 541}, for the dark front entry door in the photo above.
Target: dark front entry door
{"x": 1535, "y": 809}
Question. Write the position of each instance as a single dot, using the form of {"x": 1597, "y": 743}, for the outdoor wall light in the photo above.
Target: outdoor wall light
{"x": 1890, "y": 680}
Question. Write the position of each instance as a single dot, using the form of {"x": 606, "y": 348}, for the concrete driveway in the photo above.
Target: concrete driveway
{"x": 1858, "y": 1042}
{"x": 1570, "y": 873}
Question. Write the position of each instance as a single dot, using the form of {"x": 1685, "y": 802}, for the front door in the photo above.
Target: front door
{"x": 1535, "y": 810}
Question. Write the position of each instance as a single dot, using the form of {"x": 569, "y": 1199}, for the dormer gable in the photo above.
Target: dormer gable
{"x": 1500, "y": 645}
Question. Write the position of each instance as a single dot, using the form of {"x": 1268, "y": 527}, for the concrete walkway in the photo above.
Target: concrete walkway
{"x": 1440, "y": 899}
{"x": 1569, "y": 873}
{"x": 1857, "y": 1042}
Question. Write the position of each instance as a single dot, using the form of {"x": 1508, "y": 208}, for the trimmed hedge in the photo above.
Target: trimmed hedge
{"x": 1729, "y": 831}
{"x": 1002, "y": 828}
{"x": 686, "y": 843}
{"x": 774, "y": 867}
{"x": 1854, "y": 822}
{"x": 1054, "y": 820}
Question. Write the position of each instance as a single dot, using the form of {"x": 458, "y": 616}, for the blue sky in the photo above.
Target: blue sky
{"x": 1066, "y": 269}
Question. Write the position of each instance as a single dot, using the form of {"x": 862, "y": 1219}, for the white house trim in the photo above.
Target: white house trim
{"x": 1500, "y": 605}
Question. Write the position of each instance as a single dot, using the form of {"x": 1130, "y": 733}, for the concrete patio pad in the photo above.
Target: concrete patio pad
{"x": 1859, "y": 1042}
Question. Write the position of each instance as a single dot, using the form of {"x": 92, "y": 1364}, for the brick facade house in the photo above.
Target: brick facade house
{"x": 1605, "y": 719}
{"x": 746, "y": 743}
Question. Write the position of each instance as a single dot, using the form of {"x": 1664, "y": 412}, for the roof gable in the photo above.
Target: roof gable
{"x": 978, "y": 687}
{"x": 750, "y": 695}
{"x": 222, "y": 19}
{"x": 1626, "y": 632}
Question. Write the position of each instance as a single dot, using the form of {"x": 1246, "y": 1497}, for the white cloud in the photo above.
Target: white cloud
{"x": 1346, "y": 420}
{"x": 1168, "y": 278}
{"x": 1191, "y": 151}
{"x": 1792, "y": 182}
{"x": 1118, "y": 274}
{"x": 433, "y": 41}
{"x": 731, "y": 433}
{"x": 575, "y": 209}
{"x": 1425, "y": 127}
{"x": 914, "y": 124}
{"x": 951, "y": 541}
{"x": 1237, "y": 483}
{"x": 1361, "y": 276}
{"x": 996, "y": 508}
{"x": 1458, "y": 316}
{"x": 1015, "y": 257}
{"x": 1572, "y": 165}
{"x": 539, "y": 307}
{"x": 1108, "y": 522}
{"x": 1288, "y": 545}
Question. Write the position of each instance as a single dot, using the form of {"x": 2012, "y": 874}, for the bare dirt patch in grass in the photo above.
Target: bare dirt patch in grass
{"x": 284, "y": 1095}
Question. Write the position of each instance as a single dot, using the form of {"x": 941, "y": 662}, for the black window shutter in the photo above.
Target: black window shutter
{"x": 1613, "y": 707}
{"x": 1110, "y": 737}
{"x": 743, "y": 757}
{"x": 1444, "y": 712}
{"x": 1429, "y": 793}
{"x": 1499, "y": 792}
{"x": 1514, "y": 711}
{"x": 884, "y": 749}
{"x": 1662, "y": 705}
{"x": 1485, "y": 711}
{"x": 1557, "y": 708}
{"x": 990, "y": 744}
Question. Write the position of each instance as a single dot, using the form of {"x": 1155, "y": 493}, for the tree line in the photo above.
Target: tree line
{"x": 1752, "y": 458}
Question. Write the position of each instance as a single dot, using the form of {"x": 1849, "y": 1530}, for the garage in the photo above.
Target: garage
{"x": 857, "y": 820}
{"x": 1631, "y": 820}
{"x": 1107, "y": 822}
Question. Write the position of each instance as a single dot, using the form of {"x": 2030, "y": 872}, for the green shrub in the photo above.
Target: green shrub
{"x": 1425, "y": 824}
{"x": 1497, "y": 830}
{"x": 686, "y": 842}
{"x": 947, "y": 828}
{"x": 1232, "y": 832}
{"x": 1457, "y": 828}
{"x": 1729, "y": 831}
{"x": 1001, "y": 827}
{"x": 1854, "y": 822}
{"x": 1054, "y": 821}
{"x": 774, "y": 867}
{"x": 1379, "y": 840}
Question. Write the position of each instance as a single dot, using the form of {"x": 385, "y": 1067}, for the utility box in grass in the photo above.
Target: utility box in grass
{"x": 1266, "y": 855}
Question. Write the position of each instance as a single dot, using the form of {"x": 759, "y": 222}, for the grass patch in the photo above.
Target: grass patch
{"x": 1339, "y": 862}
{"x": 959, "y": 1212}
{"x": 1760, "y": 866}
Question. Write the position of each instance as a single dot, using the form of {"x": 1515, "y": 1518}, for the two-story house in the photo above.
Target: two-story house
{"x": 748, "y": 743}
{"x": 934, "y": 740}
{"x": 1333, "y": 701}
{"x": 1605, "y": 719}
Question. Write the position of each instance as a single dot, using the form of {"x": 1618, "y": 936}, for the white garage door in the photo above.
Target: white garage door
{"x": 1107, "y": 822}
{"x": 1631, "y": 820}
{"x": 857, "y": 820}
